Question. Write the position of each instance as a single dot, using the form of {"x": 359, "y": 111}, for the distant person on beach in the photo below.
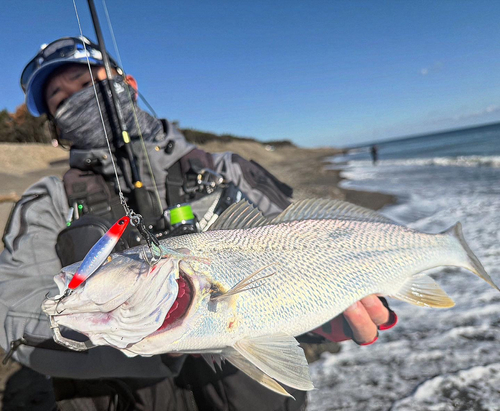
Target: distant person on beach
{"x": 42, "y": 233}
{"x": 374, "y": 153}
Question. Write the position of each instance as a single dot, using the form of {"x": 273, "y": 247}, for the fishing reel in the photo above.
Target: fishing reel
{"x": 181, "y": 220}
{"x": 208, "y": 197}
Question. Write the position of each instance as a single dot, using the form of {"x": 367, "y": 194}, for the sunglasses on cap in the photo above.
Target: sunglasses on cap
{"x": 72, "y": 49}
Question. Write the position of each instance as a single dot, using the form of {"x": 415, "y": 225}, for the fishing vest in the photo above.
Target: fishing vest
{"x": 92, "y": 194}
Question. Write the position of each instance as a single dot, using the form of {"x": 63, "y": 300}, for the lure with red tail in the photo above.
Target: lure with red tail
{"x": 99, "y": 253}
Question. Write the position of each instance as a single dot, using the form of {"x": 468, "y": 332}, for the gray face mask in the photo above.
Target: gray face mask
{"x": 79, "y": 121}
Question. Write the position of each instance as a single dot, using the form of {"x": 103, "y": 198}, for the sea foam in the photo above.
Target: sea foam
{"x": 433, "y": 359}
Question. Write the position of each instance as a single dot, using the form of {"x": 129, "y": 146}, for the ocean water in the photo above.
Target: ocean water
{"x": 433, "y": 359}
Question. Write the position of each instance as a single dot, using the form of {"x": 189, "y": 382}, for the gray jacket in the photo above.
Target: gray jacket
{"x": 29, "y": 262}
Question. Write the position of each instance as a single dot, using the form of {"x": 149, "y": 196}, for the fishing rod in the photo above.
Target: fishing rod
{"x": 136, "y": 179}
{"x": 151, "y": 214}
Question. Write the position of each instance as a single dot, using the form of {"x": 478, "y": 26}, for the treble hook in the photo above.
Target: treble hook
{"x": 150, "y": 238}
{"x": 66, "y": 293}
{"x": 59, "y": 299}
{"x": 153, "y": 246}
{"x": 152, "y": 242}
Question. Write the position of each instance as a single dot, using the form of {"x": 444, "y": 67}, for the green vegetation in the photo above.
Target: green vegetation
{"x": 202, "y": 137}
{"x": 22, "y": 127}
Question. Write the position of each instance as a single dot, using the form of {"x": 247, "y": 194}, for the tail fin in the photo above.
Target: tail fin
{"x": 474, "y": 265}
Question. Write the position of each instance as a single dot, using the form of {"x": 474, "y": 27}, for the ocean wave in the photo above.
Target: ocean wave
{"x": 474, "y": 388}
{"x": 461, "y": 161}
{"x": 439, "y": 359}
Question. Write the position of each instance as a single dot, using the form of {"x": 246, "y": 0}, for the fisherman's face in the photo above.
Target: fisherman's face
{"x": 68, "y": 80}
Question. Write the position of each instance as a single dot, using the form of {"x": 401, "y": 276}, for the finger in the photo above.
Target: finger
{"x": 364, "y": 330}
{"x": 393, "y": 318}
{"x": 375, "y": 309}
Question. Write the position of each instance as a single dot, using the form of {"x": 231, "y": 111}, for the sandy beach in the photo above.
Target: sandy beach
{"x": 303, "y": 169}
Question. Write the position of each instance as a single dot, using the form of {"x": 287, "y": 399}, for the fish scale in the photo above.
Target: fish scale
{"x": 256, "y": 284}
{"x": 287, "y": 246}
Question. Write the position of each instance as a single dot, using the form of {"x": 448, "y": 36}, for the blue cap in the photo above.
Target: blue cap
{"x": 58, "y": 53}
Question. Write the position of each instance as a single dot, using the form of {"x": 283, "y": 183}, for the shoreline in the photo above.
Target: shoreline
{"x": 305, "y": 170}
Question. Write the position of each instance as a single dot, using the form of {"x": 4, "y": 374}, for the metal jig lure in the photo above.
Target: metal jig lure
{"x": 99, "y": 253}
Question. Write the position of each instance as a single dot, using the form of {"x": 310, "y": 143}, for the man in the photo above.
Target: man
{"x": 38, "y": 242}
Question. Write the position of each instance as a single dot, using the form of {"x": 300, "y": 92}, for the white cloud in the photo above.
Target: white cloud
{"x": 437, "y": 66}
{"x": 492, "y": 108}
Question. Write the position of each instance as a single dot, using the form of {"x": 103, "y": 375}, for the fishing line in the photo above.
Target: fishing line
{"x": 123, "y": 202}
{"x": 135, "y": 219}
{"x": 115, "y": 46}
{"x": 151, "y": 109}
{"x": 143, "y": 145}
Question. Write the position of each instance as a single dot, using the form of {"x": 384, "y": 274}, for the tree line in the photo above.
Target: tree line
{"x": 22, "y": 127}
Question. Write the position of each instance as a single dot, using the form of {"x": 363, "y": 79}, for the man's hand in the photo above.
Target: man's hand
{"x": 364, "y": 317}
{"x": 360, "y": 322}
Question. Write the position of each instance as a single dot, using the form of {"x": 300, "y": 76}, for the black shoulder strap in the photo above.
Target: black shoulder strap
{"x": 164, "y": 123}
{"x": 174, "y": 184}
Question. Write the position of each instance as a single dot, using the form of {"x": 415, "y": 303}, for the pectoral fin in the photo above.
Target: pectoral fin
{"x": 424, "y": 291}
{"x": 235, "y": 358}
{"x": 280, "y": 357}
{"x": 248, "y": 283}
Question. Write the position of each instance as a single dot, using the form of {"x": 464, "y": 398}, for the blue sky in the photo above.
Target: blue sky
{"x": 321, "y": 73}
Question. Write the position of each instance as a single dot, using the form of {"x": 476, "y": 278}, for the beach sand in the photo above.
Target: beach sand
{"x": 302, "y": 169}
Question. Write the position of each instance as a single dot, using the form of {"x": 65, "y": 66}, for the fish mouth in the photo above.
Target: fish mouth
{"x": 181, "y": 304}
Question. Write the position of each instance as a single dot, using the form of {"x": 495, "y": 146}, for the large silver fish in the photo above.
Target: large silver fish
{"x": 244, "y": 289}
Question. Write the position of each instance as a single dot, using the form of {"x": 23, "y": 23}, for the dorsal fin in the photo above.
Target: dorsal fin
{"x": 239, "y": 215}
{"x": 320, "y": 209}
{"x": 244, "y": 215}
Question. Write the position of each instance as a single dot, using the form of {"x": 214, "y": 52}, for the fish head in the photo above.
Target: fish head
{"x": 190, "y": 307}
{"x": 123, "y": 301}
